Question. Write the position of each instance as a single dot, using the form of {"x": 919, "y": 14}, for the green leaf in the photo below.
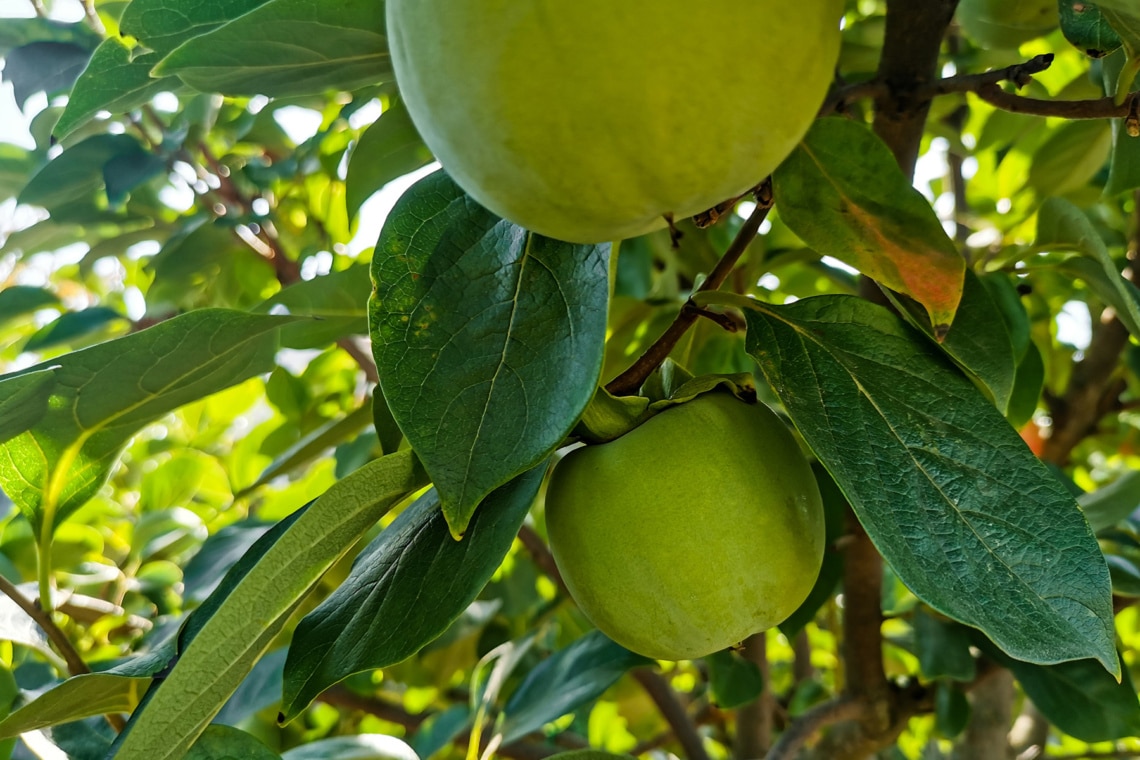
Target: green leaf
{"x": 24, "y": 401}
{"x": 843, "y": 193}
{"x": 1061, "y": 225}
{"x": 73, "y": 327}
{"x": 52, "y": 469}
{"x": 1125, "y": 20}
{"x": 589, "y": 754}
{"x": 70, "y": 186}
{"x": 835, "y": 508}
{"x": 1110, "y": 504}
{"x": 943, "y": 648}
{"x": 228, "y": 743}
{"x": 239, "y": 621}
{"x": 1080, "y": 698}
{"x": 163, "y": 25}
{"x": 413, "y": 573}
{"x": 115, "y": 80}
{"x": 1026, "y": 388}
{"x": 20, "y": 300}
{"x": 17, "y": 32}
{"x": 1070, "y": 157}
{"x": 338, "y": 301}
{"x": 563, "y": 682}
{"x": 951, "y": 709}
{"x": 48, "y": 67}
{"x": 389, "y": 148}
{"x": 979, "y": 340}
{"x": 359, "y": 747}
{"x": 78, "y": 697}
{"x": 968, "y": 518}
{"x": 489, "y": 339}
{"x": 16, "y": 168}
{"x": 286, "y": 48}
{"x": 733, "y": 680}
{"x": 1086, "y": 28}
{"x": 218, "y": 553}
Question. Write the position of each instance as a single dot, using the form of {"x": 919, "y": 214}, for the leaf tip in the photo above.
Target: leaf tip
{"x": 941, "y": 330}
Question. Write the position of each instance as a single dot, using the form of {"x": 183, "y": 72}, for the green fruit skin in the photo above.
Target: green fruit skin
{"x": 1007, "y": 23}
{"x": 691, "y": 532}
{"x": 590, "y": 120}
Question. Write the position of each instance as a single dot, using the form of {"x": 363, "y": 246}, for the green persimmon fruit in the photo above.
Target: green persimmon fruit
{"x": 1007, "y": 23}
{"x": 689, "y": 533}
{"x": 593, "y": 120}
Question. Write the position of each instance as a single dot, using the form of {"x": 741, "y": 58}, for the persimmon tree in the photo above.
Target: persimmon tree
{"x": 267, "y": 497}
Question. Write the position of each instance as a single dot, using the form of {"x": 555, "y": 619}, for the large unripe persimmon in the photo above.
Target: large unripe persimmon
{"x": 694, "y": 530}
{"x": 594, "y": 120}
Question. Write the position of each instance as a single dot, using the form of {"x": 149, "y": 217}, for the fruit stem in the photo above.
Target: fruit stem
{"x": 628, "y": 382}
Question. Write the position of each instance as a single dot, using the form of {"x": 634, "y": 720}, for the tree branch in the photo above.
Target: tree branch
{"x": 1100, "y": 108}
{"x": 807, "y": 725}
{"x": 674, "y": 713}
{"x": 628, "y": 382}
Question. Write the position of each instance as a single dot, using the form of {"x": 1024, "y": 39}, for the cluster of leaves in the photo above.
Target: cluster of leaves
{"x": 225, "y": 519}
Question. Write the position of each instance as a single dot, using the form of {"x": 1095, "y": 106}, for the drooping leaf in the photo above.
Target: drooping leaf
{"x": 1079, "y": 697}
{"x": 978, "y": 341}
{"x": 565, "y": 681}
{"x": 843, "y": 193}
{"x": 72, "y": 185}
{"x": 78, "y": 697}
{"x": 390, "y": 148}
{"x": 115, "y": 80}
{"x": 410, "y": 583}
{"x": 1063, "y": 226}
{"x": 232, "y": 629}
{"x": 163, "y": 25}
{"x": 53, "y": 468}
{"x": 1072, "y": 156}
{"x": 968, "y": 518}
{"x": 286, "y": 48}
{"x": 489, "y": 339}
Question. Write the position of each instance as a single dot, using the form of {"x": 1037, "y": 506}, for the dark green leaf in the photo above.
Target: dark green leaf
{"x": 73, "y": 327}
{"x": 979, "y": 340}
{"x": 1080, "y": 698}
{"x": 52, "y": 469}
{"x": 227, "y": 743}
{"x": 1026, "y": 388}
{"x": 260, "y": 690}
{"x": 967, "y": 517}
{"x": 563, "y": 682}
{"x": 733, "y": 680}
{"x": 951, "y": 709}
{"x": 17, "y": 32}
{"x": 20, "y": 300}
{"x": 835, "y": 509}
{"x": 413, "y": 574}
{"x": 115, "y": 80}
{"x": 440, "y": 730}
{"x": 50, "y": 67}
{"x": 843, "y": 193}
{"x": 231, "y": 630}
{"x": 489, "y": 339}
{"x": 286, "y": 48}
{"x": 219, "y": 552}
{"x": 388, "y": 149}
{"x": 943, "y": 648}
{"x": 163, "y": 25}
{"x": 1086, "y": 28}
{"x": 70, "y": 185}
